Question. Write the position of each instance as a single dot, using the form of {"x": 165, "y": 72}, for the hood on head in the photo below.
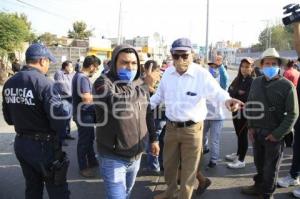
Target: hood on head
{"x": 115, "y": 53}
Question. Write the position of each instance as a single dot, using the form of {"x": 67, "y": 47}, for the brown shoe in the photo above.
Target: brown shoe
{"x": 202, "y": 187}
{"x": 88, "y": 173}
{"x": 250, "y": 190}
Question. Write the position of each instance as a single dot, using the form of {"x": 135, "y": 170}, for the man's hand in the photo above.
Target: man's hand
{"x": 271, "y": 138}
{"x": 233, "y": 105}
{"x": 251, "y": 133}
{"x": 155, "y": 148}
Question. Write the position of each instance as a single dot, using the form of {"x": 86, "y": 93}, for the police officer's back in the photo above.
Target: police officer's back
{"x": 32, "y": 105}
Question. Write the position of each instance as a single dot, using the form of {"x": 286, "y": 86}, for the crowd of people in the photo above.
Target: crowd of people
{"x": 173, "y": 112}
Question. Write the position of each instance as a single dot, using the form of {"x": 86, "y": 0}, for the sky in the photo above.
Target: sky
{"x": 233, "y": 20}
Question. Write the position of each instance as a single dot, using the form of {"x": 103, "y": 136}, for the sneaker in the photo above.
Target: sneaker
{"x": 205, "y": 151}
{"x": 288, "y": 181}
{"x": 231, "y": 157}
{"x": 236, "y": 165}
{"x": 296, "y": 193}
{"x": 211, "y": 164}
{"x": 250, "y": 190}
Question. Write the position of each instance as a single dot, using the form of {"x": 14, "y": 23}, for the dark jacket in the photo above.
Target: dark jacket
{"x": 280, "y": 106}
{"x": 125, "y": 114}
{"x": 32, "y": 105}
{"x": 240, "y": 85}
{"x": 239, "y": 89}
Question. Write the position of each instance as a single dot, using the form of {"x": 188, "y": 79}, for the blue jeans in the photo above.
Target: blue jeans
{"x": 119, "y": 176}
{"x": 32, "y": 155}
{"x": 85, "y": 146}
{"x": 153, "y": 162}
{"x": 215, "y": 128}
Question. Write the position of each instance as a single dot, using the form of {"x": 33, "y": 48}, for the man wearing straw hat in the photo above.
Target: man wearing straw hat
{"x": 272, "y": 110}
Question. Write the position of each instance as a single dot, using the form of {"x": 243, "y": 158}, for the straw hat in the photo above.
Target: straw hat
{"x": 270, "y": 53}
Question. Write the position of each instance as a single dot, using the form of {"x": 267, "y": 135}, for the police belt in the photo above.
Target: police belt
{"x": 37, "y": 136}
{"x": 182, "y": 124}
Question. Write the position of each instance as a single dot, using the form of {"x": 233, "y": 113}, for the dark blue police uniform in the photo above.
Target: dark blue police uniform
{"x": 32, "y": 105}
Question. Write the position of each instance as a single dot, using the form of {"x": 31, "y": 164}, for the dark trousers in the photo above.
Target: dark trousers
{"x": 161, "y": 146}
{"x": 267, "y": 157}
{"x": 241, "y": 130}
{"x": 289, "y": 139}
{"x": 295, "y": 168}
{"x": 33, "y": 155}
{"x": 66, "y": 131}
{"x": 85, "y": 146}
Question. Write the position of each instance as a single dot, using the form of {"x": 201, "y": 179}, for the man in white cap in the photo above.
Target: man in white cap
{"x": 184, "y": 89}
{"x": 272, "y": 110}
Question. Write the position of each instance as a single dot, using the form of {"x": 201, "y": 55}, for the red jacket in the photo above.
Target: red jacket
{"x": 292, "y": 75}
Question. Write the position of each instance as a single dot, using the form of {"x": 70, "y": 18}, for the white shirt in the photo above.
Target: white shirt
{"x": 185, "y": 95}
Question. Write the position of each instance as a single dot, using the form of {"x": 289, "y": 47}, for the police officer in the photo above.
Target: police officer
{"x": 34, "y": 108}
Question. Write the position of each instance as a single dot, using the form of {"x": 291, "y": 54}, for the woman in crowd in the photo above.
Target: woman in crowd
{"x": 239, "y": 89}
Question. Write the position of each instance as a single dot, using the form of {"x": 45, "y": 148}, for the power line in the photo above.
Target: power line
{"x": 44, "y": 10}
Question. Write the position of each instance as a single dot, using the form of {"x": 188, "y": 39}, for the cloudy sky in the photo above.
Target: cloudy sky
{"x": 235, "y": 20}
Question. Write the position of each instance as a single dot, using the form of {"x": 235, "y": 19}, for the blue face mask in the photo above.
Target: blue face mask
{"x": 126, "y": 75}
{"x": 271, "y": 72}
{"x": 214, "y": 72}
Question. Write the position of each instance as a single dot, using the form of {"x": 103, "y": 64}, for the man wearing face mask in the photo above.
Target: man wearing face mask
{"x": 84, "y": 115}
{"x": 214, "y": 120}
{"x": 124, "y": 117}
{"x": 218, "y": 71}
{"x": 272, "y": 110}
{"x": 184, "y": 89}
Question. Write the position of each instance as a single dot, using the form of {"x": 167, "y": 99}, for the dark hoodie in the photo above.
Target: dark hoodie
{"x": 125, "y": 112}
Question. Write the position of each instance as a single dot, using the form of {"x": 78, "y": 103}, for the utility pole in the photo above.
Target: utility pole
{"x": 207, "y": 31}
{"x": 268, "y": 34}
{"x": 120, "y": 25}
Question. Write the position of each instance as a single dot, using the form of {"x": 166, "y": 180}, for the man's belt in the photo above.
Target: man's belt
{"x": 182, "y": 124}
{"x": 37, "y": 136}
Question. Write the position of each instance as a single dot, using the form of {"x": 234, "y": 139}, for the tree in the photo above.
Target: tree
{"x": 32, "y": 36}
{"x": 79, "y": 31}
{"x": 48, "y": 39}
{"x": 280, "y": 36}
{"x": 13, "y": 32}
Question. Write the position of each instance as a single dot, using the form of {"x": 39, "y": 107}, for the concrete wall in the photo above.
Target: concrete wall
{"x": 66, "y": 53}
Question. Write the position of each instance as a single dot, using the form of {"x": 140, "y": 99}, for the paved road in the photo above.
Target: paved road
{"x": 226, "y": 183}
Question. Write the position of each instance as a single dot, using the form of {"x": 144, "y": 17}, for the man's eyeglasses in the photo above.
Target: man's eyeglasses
{"x": 183, "y": 56}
